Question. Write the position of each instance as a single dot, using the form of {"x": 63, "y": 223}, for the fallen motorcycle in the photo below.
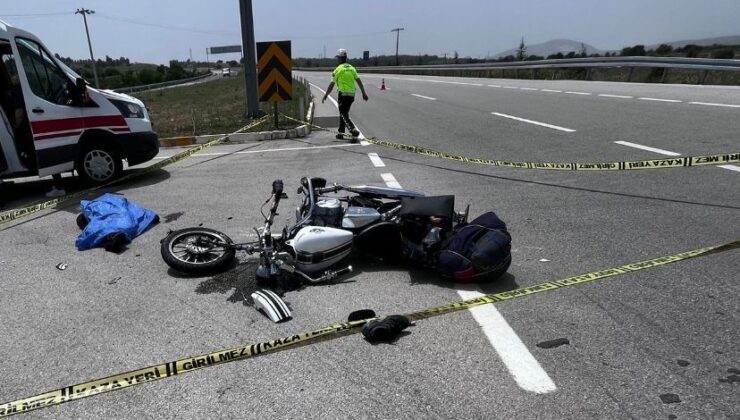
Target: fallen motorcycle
{"x": 386, "y": 222}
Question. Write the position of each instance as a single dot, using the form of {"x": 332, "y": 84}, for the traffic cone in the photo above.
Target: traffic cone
{"x": 382, "y": 84}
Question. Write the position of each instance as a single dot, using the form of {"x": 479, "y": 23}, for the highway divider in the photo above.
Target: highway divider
{"x": 189, "y": 364}
{"x": 9, "y": 216}
{"x": 674, "y": 162}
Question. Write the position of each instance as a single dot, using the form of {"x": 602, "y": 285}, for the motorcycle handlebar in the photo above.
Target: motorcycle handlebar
{"x": 331, "y": 189}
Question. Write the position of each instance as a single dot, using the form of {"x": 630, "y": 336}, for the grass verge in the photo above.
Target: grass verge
{"x": 214, "y": 107}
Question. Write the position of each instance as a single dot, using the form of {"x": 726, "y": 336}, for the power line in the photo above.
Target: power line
{"x": 37, "y": 14}
{"x": 173, "y": 28}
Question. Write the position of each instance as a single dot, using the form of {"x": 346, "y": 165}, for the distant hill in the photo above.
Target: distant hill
{"x": 553, "y": 47}
{"x": 705, "y": 42}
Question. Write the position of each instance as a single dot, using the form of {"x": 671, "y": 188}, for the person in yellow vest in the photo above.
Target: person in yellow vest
{"x": 345, "y": 76}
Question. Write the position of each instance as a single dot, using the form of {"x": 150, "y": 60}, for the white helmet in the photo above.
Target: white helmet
{"x": 342, "y": 53}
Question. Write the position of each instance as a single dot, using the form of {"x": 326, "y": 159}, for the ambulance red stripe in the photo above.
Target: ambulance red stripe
{"x": 66, "y": 124}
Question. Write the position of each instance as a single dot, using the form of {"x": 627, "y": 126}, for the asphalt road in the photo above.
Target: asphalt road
{"x": 660, "y": 343}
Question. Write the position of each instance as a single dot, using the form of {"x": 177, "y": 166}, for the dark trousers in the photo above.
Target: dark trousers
{"x": 345, "y": 103}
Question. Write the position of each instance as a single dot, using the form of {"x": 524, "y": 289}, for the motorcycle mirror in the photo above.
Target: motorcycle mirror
{"x": 300, "y": 190}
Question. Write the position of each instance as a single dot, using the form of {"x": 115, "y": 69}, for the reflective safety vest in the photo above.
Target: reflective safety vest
{"x": 344, "y": 77}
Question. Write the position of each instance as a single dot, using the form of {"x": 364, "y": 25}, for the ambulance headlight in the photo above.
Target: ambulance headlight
{"x": 128, "y": 109}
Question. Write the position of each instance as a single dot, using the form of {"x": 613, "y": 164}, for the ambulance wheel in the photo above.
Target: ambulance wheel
{"x": 197, "y": 250}
{"x": 99, "y": 164}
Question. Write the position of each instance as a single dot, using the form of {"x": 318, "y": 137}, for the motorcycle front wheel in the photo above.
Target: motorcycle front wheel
{"x": 197, "y": 250}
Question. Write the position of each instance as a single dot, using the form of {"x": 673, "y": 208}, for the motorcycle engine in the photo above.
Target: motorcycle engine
{"x": 327, "y": 212}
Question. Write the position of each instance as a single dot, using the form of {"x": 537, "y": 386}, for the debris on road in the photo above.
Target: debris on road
{"x": 731, "y": 378}
{"x": 551, "y": 344}
{"x": 61, "y": 266}
{"x": 682, "y": 363}
{"x": 386, "y": 330}
{"x": 670, "y": 398}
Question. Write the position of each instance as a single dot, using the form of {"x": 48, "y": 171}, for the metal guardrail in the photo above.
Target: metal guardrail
{"x": 140, "y": 88}
{"x": 701, "y": 64}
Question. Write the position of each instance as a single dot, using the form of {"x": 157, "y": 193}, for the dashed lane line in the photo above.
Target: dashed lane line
{"x": 390, "y": 180}
{"x": 552, "y": 90}
{"x": 674, "y": 101}
{"x": 730, "y": 167}
{"x": 648, "y": 148}
{"x": 608, "y": 95}
{"x": 714, "y": 104}
{"x": 541, "y": 124}
{"x": 669, "y": 153}
{"x": 577, "y": 93}
{"x": 423, "y": 97}
{"x": 376, "y": 160}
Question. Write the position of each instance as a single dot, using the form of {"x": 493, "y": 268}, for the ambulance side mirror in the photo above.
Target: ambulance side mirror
{"x": 81, "y": 91}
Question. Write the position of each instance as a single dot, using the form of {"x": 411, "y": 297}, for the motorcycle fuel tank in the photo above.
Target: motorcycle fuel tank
{"x": 358, "y": 217}
{"x": 319, "y": 247}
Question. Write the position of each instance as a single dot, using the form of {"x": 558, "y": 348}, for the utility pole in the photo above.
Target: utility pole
{"x": 84, "y": 12}
{"x": 398, "y": 33}
{"x": 250, "y": 58}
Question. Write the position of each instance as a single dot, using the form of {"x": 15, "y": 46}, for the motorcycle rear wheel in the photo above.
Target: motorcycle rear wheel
{"x": 198, "y": 250}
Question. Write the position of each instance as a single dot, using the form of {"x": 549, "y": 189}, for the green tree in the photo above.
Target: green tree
{"x": 664, "y": 49}
{"x": 176, "y": 71}
{"x": 521, "y": 52}
{"x": 724, "y": 53}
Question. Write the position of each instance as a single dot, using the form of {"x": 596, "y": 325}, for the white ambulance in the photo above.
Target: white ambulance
{"x": 53, "y": 121}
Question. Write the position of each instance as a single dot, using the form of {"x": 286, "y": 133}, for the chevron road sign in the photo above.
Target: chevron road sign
{"x": 275, "y": 67}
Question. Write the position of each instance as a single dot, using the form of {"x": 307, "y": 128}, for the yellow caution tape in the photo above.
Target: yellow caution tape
{"x": 676, "y": 162}
{"x": 11, "y": 215}
{"x": 179, "y": 367}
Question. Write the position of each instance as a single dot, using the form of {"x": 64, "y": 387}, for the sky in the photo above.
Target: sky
{"x": 156, "y": 31}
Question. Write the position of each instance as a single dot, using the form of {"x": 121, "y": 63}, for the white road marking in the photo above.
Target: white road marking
{"x": 669, "y": 153}
{"x": 528, "y": 88}
{"x": 675, "y": 101}
{"x": 552, "y": 90}
{"x": 648, "y": 148}
{"x": 713, "y": 104}
{"x": 249, "y": 152}
{"x": 730, "y": 167}
{"x": 376, "y": 160}
{"x": 522, "y": 365}
{"x": 554, "y": 127}
{"x": 496, "y": 86}
{"x": 606, "y": 95}
{"x": 390, "y": 181}
{"x": 510, "y": 87}
{"x": 578, "y": 93}
{"x": 424, "y": 97}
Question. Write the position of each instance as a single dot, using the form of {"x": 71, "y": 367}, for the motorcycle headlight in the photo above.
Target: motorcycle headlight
{"x": 128, "y": 109}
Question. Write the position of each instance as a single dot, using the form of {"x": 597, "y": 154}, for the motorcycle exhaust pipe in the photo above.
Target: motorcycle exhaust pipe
{"x": 328, "y": 275}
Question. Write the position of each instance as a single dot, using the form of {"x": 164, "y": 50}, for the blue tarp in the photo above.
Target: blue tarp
{"x": 111, "y": 214}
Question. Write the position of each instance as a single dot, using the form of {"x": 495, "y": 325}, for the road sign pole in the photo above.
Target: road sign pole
{"x": 250, "y": 65}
